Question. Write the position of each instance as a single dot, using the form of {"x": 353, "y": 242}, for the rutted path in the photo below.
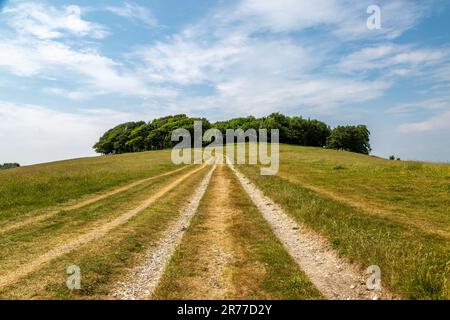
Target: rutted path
{"x": 230, "y": 252}
{"x": 89, "y": 236}
{"x": 332, "y": 275}
{"x": 213, "y": 280}
{"x": 82, "y": 203}
{"x": 143, "y": 280}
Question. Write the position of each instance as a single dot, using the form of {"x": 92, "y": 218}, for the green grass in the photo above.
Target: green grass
{"x": 26, "y": 243}
{"x": 412, "y": 249}
{"x": 108, "y": 260}
{"x": 27, "y": 189}
{"x": 393, "y": 214}
{"x": 416, "y": 193}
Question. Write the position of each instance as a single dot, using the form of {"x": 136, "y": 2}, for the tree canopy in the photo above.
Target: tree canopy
{"x": 141, "y": 136}
{"x": 350, "y": 138}
{"x": 156, "y": 134}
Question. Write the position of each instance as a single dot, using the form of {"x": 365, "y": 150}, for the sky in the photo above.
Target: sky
{"x": 70, "y": 70}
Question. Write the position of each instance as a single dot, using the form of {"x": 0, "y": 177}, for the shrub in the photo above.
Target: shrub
{"x": 9, "y": 166}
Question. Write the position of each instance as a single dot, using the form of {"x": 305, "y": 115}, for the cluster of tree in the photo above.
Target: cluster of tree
{"x": 9, "y": 166}
{"x": 156, "y": 135}
{"x": 141, "y": 136}
{"x": 293, "y": 130}
{"x": 350, "y": 138}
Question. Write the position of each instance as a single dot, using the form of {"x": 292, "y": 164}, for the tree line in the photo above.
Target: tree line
{"x": 9, "y": 166}
{"x": 156, "y": 135}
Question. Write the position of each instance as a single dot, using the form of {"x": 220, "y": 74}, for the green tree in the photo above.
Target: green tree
{"x": 350, "y": 138}
{"x": 157, "y": 134}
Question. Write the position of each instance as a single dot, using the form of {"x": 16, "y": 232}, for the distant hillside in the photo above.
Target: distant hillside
{"x": 156, "y": 135}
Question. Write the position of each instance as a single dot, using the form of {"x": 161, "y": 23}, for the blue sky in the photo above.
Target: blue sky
{"x": 69, "y": 70}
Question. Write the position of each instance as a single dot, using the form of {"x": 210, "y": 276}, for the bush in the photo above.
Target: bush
{"x": 9, "y": 166}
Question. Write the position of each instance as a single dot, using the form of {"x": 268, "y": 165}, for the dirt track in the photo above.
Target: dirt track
{"x": 143, "y": 279}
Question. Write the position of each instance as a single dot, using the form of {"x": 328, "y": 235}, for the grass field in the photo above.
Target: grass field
{"x": 30, "y": 189}
{"x": 416, "y": 193}
{"x": 393, "y": 214}
{"x": 103, "y": 262}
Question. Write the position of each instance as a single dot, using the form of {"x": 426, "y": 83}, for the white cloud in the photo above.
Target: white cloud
{"x": 189, "y": 60}
{"x": 289, "y": 15}
{"x": 185, "y": 61}
{"x": 394, "y": 59}
{"x": 39, "y": 49}
{"x": 258, "y": 75}
{"x": 48, "y": 22}
{"x": 432, "y": 104}
{"x": 134, "y": 12}
{"x": 259, "y": 97}
{"x": 73, "y": 95}
{"x": 31, "y": 134}
{"x": 345, "y": 18}
{"x": 27, "y": 57}
{"x": 436, "y": 123}
{"x": 18, "y": 59}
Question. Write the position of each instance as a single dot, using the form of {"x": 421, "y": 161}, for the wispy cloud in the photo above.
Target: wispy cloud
{"x": 433, "y": 104}
{"x": 48, "y": 22}
{"x": 134, "y": 12}
{"x": 345, "y": 19}
{"x": 50, "y": 58}
{"x": 435, "y": 123}
{"x": 261, "y": 74}
{"x": 393, "y": 60}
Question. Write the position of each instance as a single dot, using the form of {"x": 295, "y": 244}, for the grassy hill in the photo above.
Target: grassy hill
{"x": 38, "y": 187}
{"x": 393, "y": 214}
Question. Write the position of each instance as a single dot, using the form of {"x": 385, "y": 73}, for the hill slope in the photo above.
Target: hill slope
{"x": 371, "y": 211}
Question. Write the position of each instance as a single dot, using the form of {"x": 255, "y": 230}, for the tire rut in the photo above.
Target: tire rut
{"x": 336, "y": 278}
{"x": 82, "y": 203}
{"x": 143, "y": 280}
{"x": 89, "y": 236}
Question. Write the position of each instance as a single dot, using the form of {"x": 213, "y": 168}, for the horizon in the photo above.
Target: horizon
{"x": 98, "y": 155}
{"x": 70, "y": 70}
